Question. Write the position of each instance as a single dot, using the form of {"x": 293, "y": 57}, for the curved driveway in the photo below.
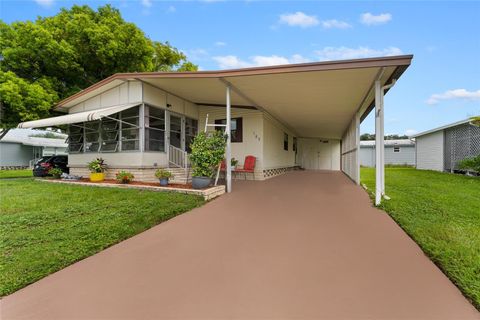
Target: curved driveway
{"x": 305, "y": 245}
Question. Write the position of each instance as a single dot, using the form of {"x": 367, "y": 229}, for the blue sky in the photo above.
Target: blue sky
{"x": 441, "y": 86}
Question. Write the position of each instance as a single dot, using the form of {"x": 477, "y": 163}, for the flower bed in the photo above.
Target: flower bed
{"x": 208, "y": 193}
{"x": 140, "y": 183}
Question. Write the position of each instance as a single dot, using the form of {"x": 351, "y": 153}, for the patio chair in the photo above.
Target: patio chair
{"x": 248, "y": 166}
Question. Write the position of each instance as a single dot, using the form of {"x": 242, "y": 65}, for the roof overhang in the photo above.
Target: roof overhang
{"x": 469, "y": 120}
{"x": 76, "y": 117}
{"x": 313, "y": 99}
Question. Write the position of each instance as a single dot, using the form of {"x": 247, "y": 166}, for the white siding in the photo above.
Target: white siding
{"x": 430, "y": 151}
{"x": 128, "y": 92}
{"x": 367, "y": 156}
{"x": 273, "y": 152}
{"x": 350, "y": 150}
{"x": 406, "y": 156}
{"x": 252, "y": 133}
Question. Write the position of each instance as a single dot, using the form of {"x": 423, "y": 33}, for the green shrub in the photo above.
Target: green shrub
{"x": 162, "y": 173}
{"x": 55, "y": 172}
{"x": 472, "y": 164}
{"x": 124, "y": 177}
{"x": 207, "y": 152}
{"x": 97, "y": 166}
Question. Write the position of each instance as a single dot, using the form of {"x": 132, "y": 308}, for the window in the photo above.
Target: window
{"x": 294, "y": 144}
{"x": 236, "y": 130}
{"x": 396, "y": 149}
{"x": 191, "y": 129}
{"x": 104, "y": 135}
{"x": 285, "y": 141}
{"x": 130, "y": 133}
{"x": 154, "y": 129}
{"x": 75, "y": 138}
{"x": 92, "y": 136}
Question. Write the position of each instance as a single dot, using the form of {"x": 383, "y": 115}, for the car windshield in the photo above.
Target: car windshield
{"x": 42, "y": 159}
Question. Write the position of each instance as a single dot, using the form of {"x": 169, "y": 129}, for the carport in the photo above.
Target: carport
{"x": 321, "y": 100}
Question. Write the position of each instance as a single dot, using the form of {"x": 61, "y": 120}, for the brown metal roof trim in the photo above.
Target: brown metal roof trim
{"x": 403, "y": 60}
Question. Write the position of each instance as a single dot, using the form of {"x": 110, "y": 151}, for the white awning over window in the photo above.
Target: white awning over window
{"x": 77, "y": 117}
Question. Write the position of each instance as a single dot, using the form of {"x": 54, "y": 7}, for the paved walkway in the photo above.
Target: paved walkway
{"x": 306, "y": 245}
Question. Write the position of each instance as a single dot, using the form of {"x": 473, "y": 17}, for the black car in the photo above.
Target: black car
{"x": 44, "y": 164}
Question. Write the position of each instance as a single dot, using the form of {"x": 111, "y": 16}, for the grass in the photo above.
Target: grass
{"x": 45, "y": 227}
{"x": 23, "y": 173}
{"x": 441, "y": 212}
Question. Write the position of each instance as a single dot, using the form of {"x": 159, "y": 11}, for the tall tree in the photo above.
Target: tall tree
{"x": 48, "y": 59}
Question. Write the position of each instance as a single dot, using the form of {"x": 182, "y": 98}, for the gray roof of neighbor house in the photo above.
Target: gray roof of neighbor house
{"x": 441, "y": 128}
{"x": 24, "y": 136}
{"x": 388, "y": 143}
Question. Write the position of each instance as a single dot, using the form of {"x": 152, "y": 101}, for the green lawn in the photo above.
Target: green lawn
{"x": 16, "y": 173}
{"x": 441, "y": 212}
{"x": 45, "y": 227}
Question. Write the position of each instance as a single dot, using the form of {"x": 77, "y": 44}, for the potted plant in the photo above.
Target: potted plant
{"x": 207, "y": 152}
{"x": 97, "y": 169}
{"x": 55, "y": 172}
{"x": 234, "y": 163}
{"x": 124, "y": 177}
{"x": 163, "y": 176}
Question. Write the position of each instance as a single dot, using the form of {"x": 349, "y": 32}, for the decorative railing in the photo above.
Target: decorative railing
{"x": 177, "y": 157}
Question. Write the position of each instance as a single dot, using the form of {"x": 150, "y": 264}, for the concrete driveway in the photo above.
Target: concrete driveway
{"x": 305, "y": 245}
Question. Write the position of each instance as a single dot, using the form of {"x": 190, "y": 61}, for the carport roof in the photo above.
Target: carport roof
{"x": 312, "y": 99}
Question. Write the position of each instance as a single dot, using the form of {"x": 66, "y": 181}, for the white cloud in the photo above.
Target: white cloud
{"x": 410, "y": 132}
{"x": 171, "y": 9}
{"x": 341, "y": 53}
{"x": 454, "y": 94}
{"x": 371, "y": 19}
{"x": 230, "y": 62}
{"x": 220, "y": 44}
{"x": 298, "y": 19}
{"x": 197, "y": 54}
{"x": 147, "y": 3}
{"x": 44, "y": 3}
{"x": 233, "y": 62}
{"x": 335, "y": 24}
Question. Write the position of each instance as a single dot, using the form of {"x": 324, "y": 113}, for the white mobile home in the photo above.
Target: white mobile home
{"x": 397, "y": 152}
{"x": 442, "y": 148}
{"x": 292, "y": 115}
{"x": 21, "y": 147}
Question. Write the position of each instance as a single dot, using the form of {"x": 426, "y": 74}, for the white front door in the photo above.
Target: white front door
{"x": 315, "y": 154}
{"x": 324, "y": 155}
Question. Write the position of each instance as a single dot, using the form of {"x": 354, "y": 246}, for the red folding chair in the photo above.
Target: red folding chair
{"x": 248, "y": 166}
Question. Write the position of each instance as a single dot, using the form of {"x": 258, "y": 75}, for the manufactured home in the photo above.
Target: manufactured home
{"x": 397, "y": 152}
{"x": 301, "y": 115}
{"x": 441, "y": 149}
{"x": 20, "y": 148}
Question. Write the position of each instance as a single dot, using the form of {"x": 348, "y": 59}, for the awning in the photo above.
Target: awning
{"x": 77, "y": 117}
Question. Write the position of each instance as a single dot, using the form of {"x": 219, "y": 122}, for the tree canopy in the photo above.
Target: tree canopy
{"x": 48, "y": 59}
{"x": 371, "y": 136}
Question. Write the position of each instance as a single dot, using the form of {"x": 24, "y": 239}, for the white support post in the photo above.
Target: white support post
{"x": 379, "y": 166}
{"x": 382, "y": 149}
{"x": 228, "y": 151}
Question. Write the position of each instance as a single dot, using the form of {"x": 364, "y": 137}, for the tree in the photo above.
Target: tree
{"x": 51, "y": 58}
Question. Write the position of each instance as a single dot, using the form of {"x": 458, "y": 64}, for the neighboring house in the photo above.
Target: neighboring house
{"x": 21, "y": 146}
{"x": 304, "y": 114}
{"x": 441, "y": 149}
{"x": 400, "y": 152}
